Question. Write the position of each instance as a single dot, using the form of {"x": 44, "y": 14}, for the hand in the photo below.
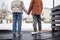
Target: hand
{"x": 28, "y": 13}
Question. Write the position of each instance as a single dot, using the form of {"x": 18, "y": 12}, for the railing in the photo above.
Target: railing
{"x": 55, "y": 17}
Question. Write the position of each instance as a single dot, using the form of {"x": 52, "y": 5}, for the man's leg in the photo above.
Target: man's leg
{"x": 39, "y": 22}
{"x": 35, "y": 23}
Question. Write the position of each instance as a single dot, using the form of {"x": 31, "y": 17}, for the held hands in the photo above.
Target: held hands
{"x": 27, "y": 12}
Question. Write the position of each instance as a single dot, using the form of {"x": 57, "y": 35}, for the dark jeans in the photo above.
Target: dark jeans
{"x": 36, "y": 19}
{"x": 17, "y": 18}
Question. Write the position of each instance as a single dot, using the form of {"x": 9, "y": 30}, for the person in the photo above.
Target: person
{"x": 17, "y": 7}
{"x": 36, "y": 8}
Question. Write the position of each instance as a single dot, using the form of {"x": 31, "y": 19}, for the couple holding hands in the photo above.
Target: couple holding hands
{"x": 17, "y": 7}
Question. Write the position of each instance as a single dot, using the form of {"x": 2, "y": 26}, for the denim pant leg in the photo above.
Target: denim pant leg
{"x": 34, "y": 23}
{"x": 39, "y": 22}
{"x": 14, "y": 22}
{"x": 19, "y": 21}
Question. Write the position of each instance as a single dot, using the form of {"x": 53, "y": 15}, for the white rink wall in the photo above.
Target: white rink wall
{"x": 25, "y": 27}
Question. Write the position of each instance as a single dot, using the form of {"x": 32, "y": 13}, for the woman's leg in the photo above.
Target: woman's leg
{"x": 19, "y": 22}
{"x": 14, "y": 22}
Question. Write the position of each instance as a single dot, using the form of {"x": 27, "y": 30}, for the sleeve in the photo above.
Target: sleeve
{"x": 30, "y": 7}
{"x": 12, "y": 5}
{"x": 23, "y": 7}
{"x": 41, "y": 4}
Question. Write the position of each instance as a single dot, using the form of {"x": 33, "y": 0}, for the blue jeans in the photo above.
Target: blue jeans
{"x": 36, "y": 19}
{"x": 17, "y": 18}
